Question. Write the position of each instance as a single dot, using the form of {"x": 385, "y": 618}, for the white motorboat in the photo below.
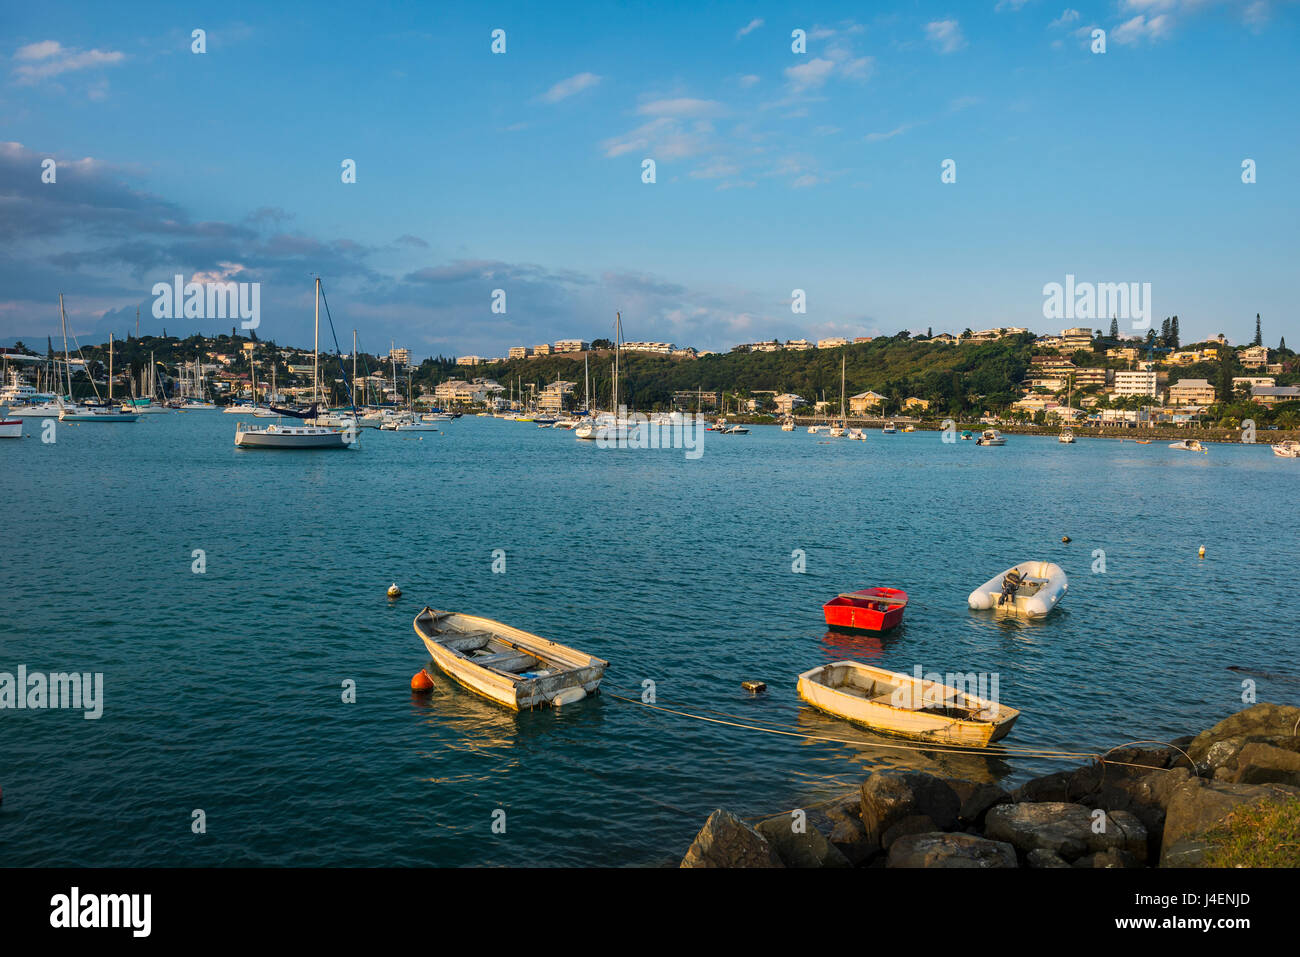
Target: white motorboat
{"x": 858, "y": 435}
{"x": 9, "y": 428}
{"x": 991, "y": 437}
{"x": 1289, "y": 449}
{"x": 1188, "y": 445}
{"x": 889, "y": 429}
{"x": 1028, "y": 590}
{"x": 76, "y": 413}
{"x": 1066, "y": 437}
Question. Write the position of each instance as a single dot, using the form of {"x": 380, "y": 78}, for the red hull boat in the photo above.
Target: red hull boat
{"x": 871, "y": 609}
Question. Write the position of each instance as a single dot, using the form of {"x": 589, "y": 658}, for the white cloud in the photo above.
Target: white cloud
{"x": 946, "y": 35}
{"x": 681, "y": 106}
{"x": 810, "y": 75}
{"x": 1067, "y": 17}
{"x": 48, "y": 58}
{"x": 750, "y": 27}
{"x": 1012, "y": 5}
{"x": 748, "y": 80}
{"x": 570, "y": 87}
{"x": 1139, "y": 28}
{"x": 878, "y": 137}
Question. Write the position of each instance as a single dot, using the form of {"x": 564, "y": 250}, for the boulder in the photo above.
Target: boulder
{"x": 937, "y": 849}
{"x": 976, "y": 798}
{"x": 800, "y": 848}
{"x": 1198, "y": 806}
{"x": 1264, "y": 720}
{"x": 1068, "y": 830}
{"x": 889, "y": 797}
{"x": 1111, "y": 857}
{"x": 847, "y": 833}
{"x": 1049, "y": 787}
{"x": 912, "y": 824}
{"x": 1041, "y": 858}
{"x": 727, "y": 841}
{"x": 1187, "y": 852}
{"x": 1145, "y": 797}
{"x": 1261, "y": 763}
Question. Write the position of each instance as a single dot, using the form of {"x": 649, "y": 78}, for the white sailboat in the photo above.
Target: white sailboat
{"x": 306, "y": 436}
{"x": 610, "y": 427}
{"x": 838, "y": 431}
{"x": 87, "y": 413}
{"x": 1067, "y": 434}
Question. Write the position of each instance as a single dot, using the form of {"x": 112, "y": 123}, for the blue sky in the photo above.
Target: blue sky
{"x": 775, "y": 170}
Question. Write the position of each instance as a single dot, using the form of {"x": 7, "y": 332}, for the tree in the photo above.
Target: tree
{"x": 1165, "y": 332}
{"x": 1114, "y": 327}
{"x": 1281, "y": 345}
{"x": 1173, "y": 331}
{"x": 1259, "y": 335}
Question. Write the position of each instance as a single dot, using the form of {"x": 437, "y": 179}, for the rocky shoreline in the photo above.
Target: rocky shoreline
{"x": 1145, "y": 806}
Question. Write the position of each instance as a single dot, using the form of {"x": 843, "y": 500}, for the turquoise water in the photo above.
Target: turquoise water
{"x": 223, "y": 690}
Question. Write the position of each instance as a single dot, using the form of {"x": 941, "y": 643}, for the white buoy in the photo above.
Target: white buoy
{"x": 394, "y": 591}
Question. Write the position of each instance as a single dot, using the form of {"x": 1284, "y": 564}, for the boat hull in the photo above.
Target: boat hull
{"x": 305, "y": 437}
{"x": 573, "y": 670}
{"x": 899, "y": 704}
{"x": 1049, "y": 588}
{"x": 872, "y": 609}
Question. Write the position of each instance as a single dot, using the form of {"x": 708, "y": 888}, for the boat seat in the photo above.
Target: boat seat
{"x": 882, "y": 599}
{"x": 512, "y": 661}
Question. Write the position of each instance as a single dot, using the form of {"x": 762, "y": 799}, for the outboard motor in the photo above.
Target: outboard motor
{"x": 1010, "y": 585}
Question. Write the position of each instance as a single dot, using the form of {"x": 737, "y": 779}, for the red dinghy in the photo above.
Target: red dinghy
{"x": 871, "y": 609}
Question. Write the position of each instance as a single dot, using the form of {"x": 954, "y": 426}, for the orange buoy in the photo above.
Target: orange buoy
{"x": 421, "y": 681}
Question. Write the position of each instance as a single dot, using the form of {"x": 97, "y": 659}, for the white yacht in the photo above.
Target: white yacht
{"x": 991, "y": 437}
{"x": 1290, "y": 449}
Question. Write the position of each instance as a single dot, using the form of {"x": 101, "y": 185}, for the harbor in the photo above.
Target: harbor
{"x": 209, "y": 556}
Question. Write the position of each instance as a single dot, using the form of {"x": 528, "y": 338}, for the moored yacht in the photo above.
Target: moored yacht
{"x": 991, "y": 437}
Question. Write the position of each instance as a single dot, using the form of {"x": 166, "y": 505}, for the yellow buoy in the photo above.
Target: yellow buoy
{"x": 1201, "y": 553}
{"x": 394, "y": 591}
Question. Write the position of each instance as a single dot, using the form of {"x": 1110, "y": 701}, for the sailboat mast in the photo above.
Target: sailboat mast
{"x": 67, "y": 359}
{"x": 843, "y": 420}
{"x": 110, "y": 368}
{"x": 618, "y": 341}
{"x": 315, "y": 350}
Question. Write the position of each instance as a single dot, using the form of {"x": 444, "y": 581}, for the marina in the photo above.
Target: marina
{"x": 524, "y": 491}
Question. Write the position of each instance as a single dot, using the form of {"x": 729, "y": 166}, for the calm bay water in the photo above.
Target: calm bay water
{"x": 223, "y": 690}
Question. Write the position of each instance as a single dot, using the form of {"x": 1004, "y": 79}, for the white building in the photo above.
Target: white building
{"x": 1136, "y": 383}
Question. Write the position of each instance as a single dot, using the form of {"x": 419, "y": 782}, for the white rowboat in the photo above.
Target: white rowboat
{"x": 511, "y": 666}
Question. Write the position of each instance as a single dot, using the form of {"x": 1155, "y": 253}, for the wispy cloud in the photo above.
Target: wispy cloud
{"x": 1140, "y": 28}
{"x": 749, "y": 27}
{"x": 1067, "y": 17}
{"x": 946, "y": 35}
{"x": 880, "y": 137}
{"x": 49, "y": 58}
{"x": 681, "y": 106}
{"x": 570, "y": 87}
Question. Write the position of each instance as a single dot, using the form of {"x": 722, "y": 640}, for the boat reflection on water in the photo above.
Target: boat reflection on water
{"x": 857, "y": 645}
{"x": 461, "y": 721}
{"x": 880, "y": 752}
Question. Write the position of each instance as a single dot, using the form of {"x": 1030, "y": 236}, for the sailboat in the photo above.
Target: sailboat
{"x": 613, "y": 426}
{"x": 1067, "y": 434}
{"x": 306, "y": 436}
{"x": 86, "y": 413}
{"x": 837, "y": 431}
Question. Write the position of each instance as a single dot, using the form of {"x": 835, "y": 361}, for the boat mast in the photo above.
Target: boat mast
{"x": 618, "y": 337}
{"x": 315, "y": 351}
{"x": 843, "y": 421}
{"x": 354, "y": 364}
{"x": 67, "y": 359}
{"x": 110, "y": 369}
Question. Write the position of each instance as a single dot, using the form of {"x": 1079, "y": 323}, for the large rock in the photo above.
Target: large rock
{"x": 727, "y": 841}
{"x": 1261, "y": 763}
{"x": 1112, "y": 857}
{"x": 1262, "y": 720}
{"x": 912, "y": 824}
{"x": 976, "y": 798}
{"x": 1068, "y": 830}
{"x": 847, "y": 833}
{"x": 1039, "y": 858}
{"x": 950, "y": 850}
{"x": 887, "y": 798}
{"x": 1197, "y": 807}
{"x": 800, "y": 845}
{"x": 1049, "y": 787}
{"x": 1145, "y": 797}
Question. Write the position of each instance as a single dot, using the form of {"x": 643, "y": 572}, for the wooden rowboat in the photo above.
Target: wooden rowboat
{"x": 894, "y": 703}
{"x": 511, "y": 666}
{"x": 871, "y": 609}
